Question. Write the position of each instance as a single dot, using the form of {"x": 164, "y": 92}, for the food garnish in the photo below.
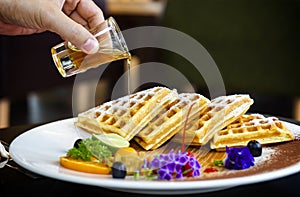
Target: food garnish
{"x": 118, "y": 170}
{"x": 79, "y": 151}
{"x": 255, "y": 148}
{"x": 88, "y": 155}
{"x": 171, "y": 166}
{"x": 211, "y": 169}
{"x": 77, "y": 142}
{"x": 92, "y": 166}
{"x": 112, "y": 140}
{"x": 89, "y": 147}
{"x": 97, "y": 149}
{"x": 218, "y": 163}
{"x": 238, "y": 158}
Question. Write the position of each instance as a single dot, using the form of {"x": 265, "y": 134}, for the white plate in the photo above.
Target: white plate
{"x": 39, "y": 149}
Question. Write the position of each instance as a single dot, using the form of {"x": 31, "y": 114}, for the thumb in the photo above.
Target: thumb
{"x": 76, "y": 34}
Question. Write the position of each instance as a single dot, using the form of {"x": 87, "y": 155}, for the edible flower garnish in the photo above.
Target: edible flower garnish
{"x": 238, "y": 158}
{"x": 172, "y": 166}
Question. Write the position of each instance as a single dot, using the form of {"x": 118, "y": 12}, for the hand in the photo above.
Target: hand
{"x": 68, "y": 18}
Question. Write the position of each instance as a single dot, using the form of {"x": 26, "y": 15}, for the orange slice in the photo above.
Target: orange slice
{"x": 93, "y": 166}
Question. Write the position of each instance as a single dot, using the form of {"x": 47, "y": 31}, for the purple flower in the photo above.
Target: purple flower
{"x": 192, "y": 167}
{"x": 182, "y": 159}
{"x": 238, "y": 158}
{"x": 174, "y": 165}
{"x": 196, "y": 172}
{"x": 164, "y": 173}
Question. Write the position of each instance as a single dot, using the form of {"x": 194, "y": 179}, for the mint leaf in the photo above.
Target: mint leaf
{"x": 90, "y": 147}
{"x": 80, "y": 153}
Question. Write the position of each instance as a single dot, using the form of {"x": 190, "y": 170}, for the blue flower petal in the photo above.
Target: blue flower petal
{"x": 155, "y": 163}
{"x": 238, "y": 158}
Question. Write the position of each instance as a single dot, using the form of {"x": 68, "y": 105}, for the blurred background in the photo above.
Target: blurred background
{"x": 254, "y": 43}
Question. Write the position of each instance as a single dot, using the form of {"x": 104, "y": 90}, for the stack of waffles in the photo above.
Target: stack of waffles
{"x": 154, "y": 116}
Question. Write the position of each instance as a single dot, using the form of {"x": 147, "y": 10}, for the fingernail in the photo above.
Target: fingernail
{"x": 90, "y": 46}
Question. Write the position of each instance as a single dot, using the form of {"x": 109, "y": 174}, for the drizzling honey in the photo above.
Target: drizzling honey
{"x": 128, "y": 61}
{"x": 184, "y": 128}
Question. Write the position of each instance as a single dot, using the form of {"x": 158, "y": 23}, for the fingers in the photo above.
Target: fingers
{"x": 69, "y": 6}
{"x": 89, "y": 15}
{"x": 85, "y": 12}
{"x": 89, "y": 11}
{"x": 76, "y": 17}
{"x": 74, "y": 32}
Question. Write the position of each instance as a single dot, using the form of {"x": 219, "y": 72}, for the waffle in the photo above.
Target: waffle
{"x": 265, "y": 130}
{"x": 220, "y": 112}
{"x": 127, "y": 115}
{"x": 166, "y": 124}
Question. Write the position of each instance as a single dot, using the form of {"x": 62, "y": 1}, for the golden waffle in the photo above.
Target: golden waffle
{"x": 265, "y": 130}
{"x": 127, "y": 115}
{"x": 220, "y": 112}
{"x": 165, "y": 125}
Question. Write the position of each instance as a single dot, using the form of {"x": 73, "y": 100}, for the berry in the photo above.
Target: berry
{"x": 191, "y": 168}
{"x": 118, "y": 170}
{"x": 76, "y": 144}
{"x": 255, "y": 148}
{"x": 211, "y": 170}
